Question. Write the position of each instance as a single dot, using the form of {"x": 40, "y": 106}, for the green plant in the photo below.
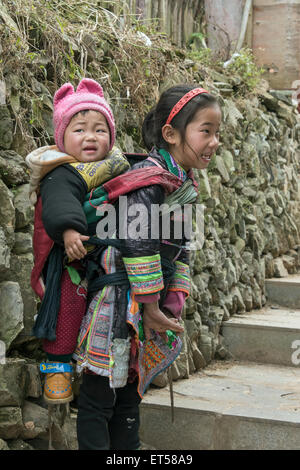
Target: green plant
{"x": 244, "y": 66}
{"x": 198, "y": 52}
{"x": 195, "y": 40}
{"x": 204, "y": 56}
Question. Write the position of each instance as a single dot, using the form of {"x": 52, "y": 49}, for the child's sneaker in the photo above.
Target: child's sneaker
{"x": 58, "y": 382}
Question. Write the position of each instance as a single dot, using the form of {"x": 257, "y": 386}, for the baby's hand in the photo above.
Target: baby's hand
{"x": 73, "y": 244}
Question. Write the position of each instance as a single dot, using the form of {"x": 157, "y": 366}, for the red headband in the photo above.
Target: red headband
{"x": 183, "y": 101}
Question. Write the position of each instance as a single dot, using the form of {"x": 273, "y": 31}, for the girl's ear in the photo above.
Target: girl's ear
{"x": 170, "y": 135}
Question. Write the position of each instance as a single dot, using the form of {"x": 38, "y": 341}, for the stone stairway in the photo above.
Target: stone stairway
{"x": 251, "y": 402}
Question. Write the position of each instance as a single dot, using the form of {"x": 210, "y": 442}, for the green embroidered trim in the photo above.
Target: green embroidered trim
{"x": 182, "y": 272}
{"x": 144, "y": 277}
{"x": 142, "y": 259}
{"x": 143, "y": 269}
{"x": 181, "y": 276}
{"x": 172, "y": 169}
{"x": 144, "y": 274}
{"x": 182, "y": 264}
{"x": 181, "y": 280}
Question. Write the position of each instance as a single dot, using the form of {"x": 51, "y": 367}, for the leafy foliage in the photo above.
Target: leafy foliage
{"x": 244, "y": 66}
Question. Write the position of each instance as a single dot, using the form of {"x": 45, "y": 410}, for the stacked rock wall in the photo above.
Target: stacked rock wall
{"x": 17, "y": 302}
{"x": 19, "y": 377}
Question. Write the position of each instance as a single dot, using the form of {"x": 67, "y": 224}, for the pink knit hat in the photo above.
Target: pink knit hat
{"x": 67, "y": 102}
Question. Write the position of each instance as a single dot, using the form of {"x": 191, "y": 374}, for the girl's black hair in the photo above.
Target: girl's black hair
{"x": 157, "y": 117}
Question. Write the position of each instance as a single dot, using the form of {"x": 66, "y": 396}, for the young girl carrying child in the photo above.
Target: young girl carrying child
{"x": 126, "y": 337}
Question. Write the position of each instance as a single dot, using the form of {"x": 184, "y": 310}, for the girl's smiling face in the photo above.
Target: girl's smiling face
{"x": 201, "y": 139}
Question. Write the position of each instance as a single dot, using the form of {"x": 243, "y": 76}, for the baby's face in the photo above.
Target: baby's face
{"x": 87, "y": 137}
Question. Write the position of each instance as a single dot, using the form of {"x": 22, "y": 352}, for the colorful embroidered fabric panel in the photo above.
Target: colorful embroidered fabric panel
{"x": 95, "y": 335}
{"x": 97, "y": 173}
{"x": 93, "y": 349}
{"x": 144, "y": 274}
{"x": 155, "y": 355}
{"x": 181, "y": 280}
{"x": 152, "y": 356}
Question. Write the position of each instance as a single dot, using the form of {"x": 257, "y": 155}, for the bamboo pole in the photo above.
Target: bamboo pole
{"x": 245, "y": 18}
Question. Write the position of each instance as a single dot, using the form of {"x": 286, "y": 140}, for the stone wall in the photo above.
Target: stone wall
{"x": 16, "y": 227}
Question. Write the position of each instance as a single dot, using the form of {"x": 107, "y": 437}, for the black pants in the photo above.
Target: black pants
{"x": 107, "y": 418}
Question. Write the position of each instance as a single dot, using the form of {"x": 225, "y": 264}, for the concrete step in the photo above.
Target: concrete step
{"x": 227, "y": 405}
{"x": 270, "y": 335}
{"x": 284, "y": 291}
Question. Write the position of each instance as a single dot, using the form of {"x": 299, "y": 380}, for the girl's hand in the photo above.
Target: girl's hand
{"x": 155, "y": 319}
{"x": 73, "y": 244}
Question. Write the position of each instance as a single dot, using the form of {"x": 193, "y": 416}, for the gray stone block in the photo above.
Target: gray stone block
{"x": 284, "y": 291}
{"x": 265, "y": 336}
{"x": 227, "y": 406}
